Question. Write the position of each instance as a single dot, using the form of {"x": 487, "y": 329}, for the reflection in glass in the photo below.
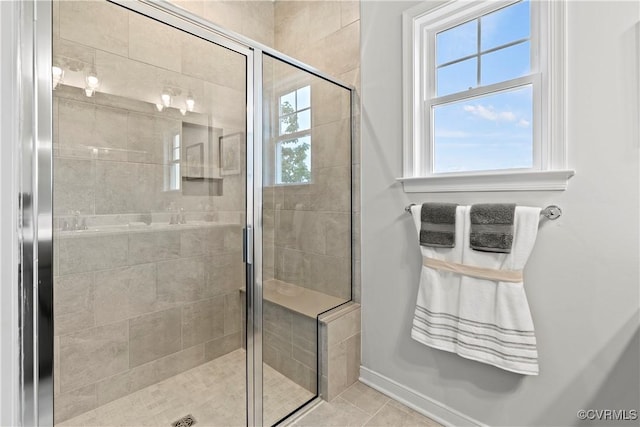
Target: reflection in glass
{"x": 149, "y": 277}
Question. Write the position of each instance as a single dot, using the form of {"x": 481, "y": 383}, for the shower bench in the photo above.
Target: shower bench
{"x": 338, "y": 335}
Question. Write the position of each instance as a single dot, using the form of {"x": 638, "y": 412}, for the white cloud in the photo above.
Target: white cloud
{"x": 523, "y": 123}
{"x": 490, "y": 113}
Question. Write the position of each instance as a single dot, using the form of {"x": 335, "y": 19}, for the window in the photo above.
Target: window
{"x": 172, "y": 175}
{"x": 293, "y": 144}
{"x": 481, "y": 99}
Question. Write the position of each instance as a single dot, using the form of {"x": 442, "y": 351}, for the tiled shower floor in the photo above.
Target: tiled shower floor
{"x": 213, "y": 393}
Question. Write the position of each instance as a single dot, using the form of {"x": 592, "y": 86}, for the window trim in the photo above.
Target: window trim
{"x": 550, "y": 160}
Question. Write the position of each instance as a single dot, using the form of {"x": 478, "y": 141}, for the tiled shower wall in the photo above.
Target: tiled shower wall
{"x": 176, "y": 282}
{"x": 137, "y": 303}
{"x": 325, "y": 35}
{"x": 307, "y": 226}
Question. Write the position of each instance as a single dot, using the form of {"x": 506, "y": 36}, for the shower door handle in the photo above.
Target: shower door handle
{"x": 247, "y": 244}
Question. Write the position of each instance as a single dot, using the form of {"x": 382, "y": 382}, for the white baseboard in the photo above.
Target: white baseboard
{"x": 418, "y": 402}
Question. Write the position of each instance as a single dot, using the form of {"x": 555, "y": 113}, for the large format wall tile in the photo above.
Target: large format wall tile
{"x": 74, "y": 297}
{"x": 149, "y": 138}
{"x": 128, "y": 78}
{"x": 221, "y": 346}
{"x": 90, "y": 253}
{"x": 181, "y": 280}
{"x": 149, "y": 373}
{"x": 330, "y": 103}
{"x": 98, "y": 24}
{"x": 154, "y": 335}
{"x": 154, "y": 43}
{"x": 125, "y": 187}
{"x": 232, "y": 312}
{"x": 330, "y": 275}
{"x": 202, "y": 60}
{"x": 154, "y": 246}
{"x": 324, "y": 19}
{"x": 331, "y": 144}
{"x": 337, "y": 227}
{"x": 202, "y": 321}
{"x": 293, "y": 266}
{"x": 332, "y": 189}
{"x": 93, "y": 354}
{"x": 257, "y": 21}
{"x": 74, "y": 189}
{"x": 124, "y": 293}
{"x": 75, "y": 402}
{"x": 224, "y": 273}
{"x": 92, "y": 131}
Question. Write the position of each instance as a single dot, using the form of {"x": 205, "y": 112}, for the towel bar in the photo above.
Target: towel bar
{"x": 550, "y": 212}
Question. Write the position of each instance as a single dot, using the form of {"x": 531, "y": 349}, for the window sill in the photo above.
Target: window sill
{"x": 555, "y": 180}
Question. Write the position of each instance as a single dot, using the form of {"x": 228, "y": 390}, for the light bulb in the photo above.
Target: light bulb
{"x": 92, "y": 81}
{"x": 166, "y": 99}
{"x": 190, "y": 103}
{"x": 183, "y": 111}
{"x": 57, "y": 74}
{"x": 159, "y": 107}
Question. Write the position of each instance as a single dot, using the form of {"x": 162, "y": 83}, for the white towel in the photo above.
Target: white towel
{"x": 480, "y": 319}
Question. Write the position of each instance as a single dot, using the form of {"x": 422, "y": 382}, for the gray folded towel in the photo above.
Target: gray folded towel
{"x": 492, "y": 227}
{"x": 438, "y": 228}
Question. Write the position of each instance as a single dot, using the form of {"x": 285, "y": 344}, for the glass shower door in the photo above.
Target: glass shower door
{"x": 150, "y": 136}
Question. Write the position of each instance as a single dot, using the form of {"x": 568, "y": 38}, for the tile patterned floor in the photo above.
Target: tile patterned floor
{"x": 213, "y": 393}
{"x": 361, "y": 405}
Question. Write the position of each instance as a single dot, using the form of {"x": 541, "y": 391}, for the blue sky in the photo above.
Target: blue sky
{"x": 494, "y": 131}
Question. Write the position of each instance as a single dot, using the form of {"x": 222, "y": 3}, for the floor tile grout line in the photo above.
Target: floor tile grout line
{"x": 376, "y": 413}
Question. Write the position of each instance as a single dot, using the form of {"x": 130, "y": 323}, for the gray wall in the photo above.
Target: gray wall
{"x": 582, "y": 278}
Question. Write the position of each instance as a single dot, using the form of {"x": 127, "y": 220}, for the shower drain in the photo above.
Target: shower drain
{"x": 186, "y": 421}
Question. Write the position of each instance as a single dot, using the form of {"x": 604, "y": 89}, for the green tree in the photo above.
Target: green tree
{"x": 293, "y": 153}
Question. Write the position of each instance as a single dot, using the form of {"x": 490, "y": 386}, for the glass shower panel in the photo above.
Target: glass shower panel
{"x": 149, "y": 206}
{"x": 306, "y": 229}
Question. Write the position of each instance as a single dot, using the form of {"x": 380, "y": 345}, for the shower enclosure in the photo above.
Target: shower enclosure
{"x": 201, "y": 217}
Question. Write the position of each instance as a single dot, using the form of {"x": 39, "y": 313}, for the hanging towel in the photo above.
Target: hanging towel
{"x": 473, "y": 303}
{"x": 492, "y": 227}
{"x": 438, "y": 225}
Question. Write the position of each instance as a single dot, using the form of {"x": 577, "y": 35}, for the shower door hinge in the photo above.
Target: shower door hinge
{"x": 247, "y": 244}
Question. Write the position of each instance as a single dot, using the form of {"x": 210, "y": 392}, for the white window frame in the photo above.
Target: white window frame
{"x": 549, "y": 172}
{"x": 173, "y": 155}
{"x": 279, "y": 139}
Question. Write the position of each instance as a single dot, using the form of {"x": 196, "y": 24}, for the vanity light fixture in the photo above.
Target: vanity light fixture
{"x": 93, "y": 82}
{"x": 166, "y": 99}
{"x": 190, "y": 103}
{"x": 57, "y": 74}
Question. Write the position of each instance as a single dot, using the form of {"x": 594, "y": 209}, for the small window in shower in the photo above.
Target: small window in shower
{"x": 293, "y": 145}
{"x": 172, "y": 172}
